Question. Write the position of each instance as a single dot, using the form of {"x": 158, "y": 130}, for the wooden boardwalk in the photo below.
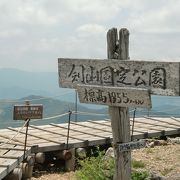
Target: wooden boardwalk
{"x": 53, "y": 137}
{"x": 11, "y": 155}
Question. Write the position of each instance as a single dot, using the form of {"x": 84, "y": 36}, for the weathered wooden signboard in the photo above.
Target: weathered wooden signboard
{"x": 114, "y": 96}
{"x": 131, "y": 145}
{"x": 162, "y": 78}
{"x": 120, "y": 83}
{"x": 24, "y": 112}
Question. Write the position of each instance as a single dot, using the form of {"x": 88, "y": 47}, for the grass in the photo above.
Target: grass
{"x": 138, "y": 164}
{"x": 140, "y": 175}
{"x": 102, "y": 168}
{"x": 96, "y": 168}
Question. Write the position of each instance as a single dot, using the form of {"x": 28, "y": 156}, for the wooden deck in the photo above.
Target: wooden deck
{"x": 53, "y": 137}
{"x": 11, "y": 155}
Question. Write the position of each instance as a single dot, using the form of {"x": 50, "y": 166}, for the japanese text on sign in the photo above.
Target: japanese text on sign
{"x": 23, "y": 112}
{"x": 160, "y": 77}
{"x": 132, "y": 145}
{"x": 115, "y": 96}
{"x": 157, "y": 76}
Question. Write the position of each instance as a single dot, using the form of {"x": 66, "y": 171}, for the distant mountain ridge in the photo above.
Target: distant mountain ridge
{"x": 16, "y": 83}
{"x": 51, "y": 109}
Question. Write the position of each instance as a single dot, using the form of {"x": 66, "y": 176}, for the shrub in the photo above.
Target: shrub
{"x": 138, "y": 164}
{"x": 102, "y": 168}
{"x": 96, "y": 168}
{"x": 140, "y": 175}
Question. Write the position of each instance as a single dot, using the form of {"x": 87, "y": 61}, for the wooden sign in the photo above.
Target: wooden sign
{"x": 24, "y": 112}
{"x": 162, "y": 78}
{"x": 116, "y": 82}
{"x": 132, "y": 145}
{"x": 114, "y": 96}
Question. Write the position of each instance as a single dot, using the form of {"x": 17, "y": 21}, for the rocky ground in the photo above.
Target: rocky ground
{"x": 163, "y": 161}
{"x": 161, "y": 158}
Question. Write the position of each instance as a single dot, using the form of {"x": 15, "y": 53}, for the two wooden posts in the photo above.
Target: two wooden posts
{"x": 120, "y": 85}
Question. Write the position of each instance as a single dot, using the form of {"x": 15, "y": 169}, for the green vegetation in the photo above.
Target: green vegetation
{"x": 102, "y": 168}
{"x": 140, "y": 175}
{"x": 138, "y": 164}
{"x": 96, "y": 168}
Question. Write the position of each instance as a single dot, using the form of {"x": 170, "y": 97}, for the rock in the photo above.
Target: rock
{"x": 163, "y": 143}
{"x": 157, "y": 143}
{"x": 160, "y": 143}
{"x": 151, "y": 144}
{"x": 174, "y": 140}
{"x": 81, "y": 153}
{"x": 156, "y": 177}
{"x": 109, "y": 153}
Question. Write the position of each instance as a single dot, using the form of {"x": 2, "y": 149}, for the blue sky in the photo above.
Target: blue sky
{"x": 34, "y": 33}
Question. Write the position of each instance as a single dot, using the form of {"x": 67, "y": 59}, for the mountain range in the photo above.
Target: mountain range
{"x": 17, "y": 85}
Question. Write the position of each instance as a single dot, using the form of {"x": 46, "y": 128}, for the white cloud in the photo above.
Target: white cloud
{"x": 163, "y": 19}
{"x": 89, "y": 30}
{"x": 11, "y": 33}
{"x": 31, "y": 15}
{"x": 33, "y": 31}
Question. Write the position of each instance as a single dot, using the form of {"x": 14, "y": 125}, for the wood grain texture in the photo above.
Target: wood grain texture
{"x": 8, "y": 164}
{"x": 161, "y": 77}
{"x": 120, "y": 122}
{"x": 114, "y": 96}
{"x": 144, "y": 127}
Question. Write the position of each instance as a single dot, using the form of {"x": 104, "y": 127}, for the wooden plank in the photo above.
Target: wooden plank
{"x": 161, "y": 121}
{"x": 90, "y": 127}
{"x": 10, "y": 164}
{"x": 12, "y": 143}
{"x": 73, "y": 144}
{"x": 153, "y": 124}
{"x": 80, "y": 131}
{"x": 175, "y": 119}
{"x": 39, "y": 137}
{"x": 44, "y": 147}
{"x": 53, "y": 132}
{"x": 114, "y": 96}
{"x": 10, "y": 138}
{"x": 155, "y": 128}
{"x": 161, "y": 77}
{"x": 106, "y": 123}
{"x": 11, "y": 148}
{"x": 3, "y": 149}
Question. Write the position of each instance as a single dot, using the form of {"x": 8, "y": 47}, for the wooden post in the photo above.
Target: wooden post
{"x": 16, "y": 174}
{"x": 40, "y": 157}
{"x": 119, "y": 49}
{"x": 70, "y": 163}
